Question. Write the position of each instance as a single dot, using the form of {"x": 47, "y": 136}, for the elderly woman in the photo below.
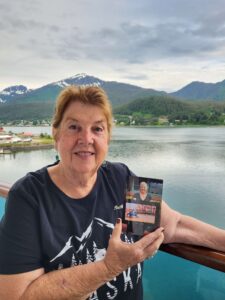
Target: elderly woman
{"x": 61, "y": 236}
{"x": 143, "y": 196}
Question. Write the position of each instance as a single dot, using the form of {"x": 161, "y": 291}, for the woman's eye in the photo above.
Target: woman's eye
{"x": 98, "y": 129}
{"x": 73, "y": 127}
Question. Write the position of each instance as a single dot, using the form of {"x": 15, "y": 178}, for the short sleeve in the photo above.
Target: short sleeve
{"x": 20, "y": 247}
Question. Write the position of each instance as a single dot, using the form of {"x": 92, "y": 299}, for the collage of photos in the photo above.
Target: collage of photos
{"x": 143, "y": 204}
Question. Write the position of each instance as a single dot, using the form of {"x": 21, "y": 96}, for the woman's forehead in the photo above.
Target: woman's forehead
{"x": 80, "y": 112}
{"x": 143, "y": 184}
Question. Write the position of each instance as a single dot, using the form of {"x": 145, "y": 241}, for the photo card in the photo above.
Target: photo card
{"x": 143, "y": 200}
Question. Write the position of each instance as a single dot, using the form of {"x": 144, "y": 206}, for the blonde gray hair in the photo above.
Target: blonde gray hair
{"x": 91, "y": 95}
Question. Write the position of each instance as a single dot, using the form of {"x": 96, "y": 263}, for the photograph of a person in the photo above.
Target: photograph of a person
{"x": 143, "y": 195}
{"x": 143, "y": 204}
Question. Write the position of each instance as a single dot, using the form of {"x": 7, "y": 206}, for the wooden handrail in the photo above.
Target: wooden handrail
{"x": 207, "y": 257}
{"x": 4, "y": 189}
{"x": 201, "y": 255}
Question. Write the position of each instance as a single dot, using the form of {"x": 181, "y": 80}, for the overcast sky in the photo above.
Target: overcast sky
{"x": 160, "y": 44}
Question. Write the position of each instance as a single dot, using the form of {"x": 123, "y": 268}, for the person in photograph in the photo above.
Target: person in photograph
{"x": 143, "y": 196}
{"x": 61, "y": 235}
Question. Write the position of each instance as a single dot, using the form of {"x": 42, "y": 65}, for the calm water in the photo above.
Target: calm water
{"x": 191, "y": 161}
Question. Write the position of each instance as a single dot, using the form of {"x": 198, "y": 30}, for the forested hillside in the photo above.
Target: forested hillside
{"x": 158, "y": 110}
{"x": 148, "y": 110}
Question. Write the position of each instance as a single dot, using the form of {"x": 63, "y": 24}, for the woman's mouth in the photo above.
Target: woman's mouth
{"x": 84, "y": 153}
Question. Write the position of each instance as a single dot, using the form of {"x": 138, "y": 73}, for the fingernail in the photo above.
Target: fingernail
{"x": 124, "y": 227}
{"x": 118, "y": 220}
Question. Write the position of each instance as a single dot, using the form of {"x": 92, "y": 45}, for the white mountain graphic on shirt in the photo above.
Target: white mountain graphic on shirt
{"x": 99, "y": 253}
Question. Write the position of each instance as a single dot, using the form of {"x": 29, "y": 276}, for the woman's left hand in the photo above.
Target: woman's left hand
{"x": 121, "y": 255}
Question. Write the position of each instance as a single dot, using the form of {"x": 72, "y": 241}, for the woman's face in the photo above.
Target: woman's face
{"x": 82, "y": 139}
{"x": 143, "y": 188}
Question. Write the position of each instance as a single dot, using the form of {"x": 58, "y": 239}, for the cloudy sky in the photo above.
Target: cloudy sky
{"x": 160, "y": 44}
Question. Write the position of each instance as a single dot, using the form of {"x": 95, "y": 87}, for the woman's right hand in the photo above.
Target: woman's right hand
{"x": 121, "y": 255}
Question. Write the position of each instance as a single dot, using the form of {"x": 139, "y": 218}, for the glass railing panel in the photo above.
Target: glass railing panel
{"x": 2, "y": 206}
{"x": 170, "y": 277}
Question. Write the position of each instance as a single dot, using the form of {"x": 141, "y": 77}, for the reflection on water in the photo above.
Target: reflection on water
{"x": 14, "y": 166}
{"x": 191, "y": 161}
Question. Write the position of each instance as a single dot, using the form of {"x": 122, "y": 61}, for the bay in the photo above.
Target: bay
{"x": 191, "y": 161}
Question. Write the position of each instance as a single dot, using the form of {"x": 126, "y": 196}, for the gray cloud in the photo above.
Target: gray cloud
{"x": 137, "y": 77}
{"x": 115, "y": 34}
{"x": 135, "y": 43}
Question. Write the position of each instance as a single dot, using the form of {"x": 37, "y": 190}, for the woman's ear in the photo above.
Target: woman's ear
{"x": 54, "y": 135}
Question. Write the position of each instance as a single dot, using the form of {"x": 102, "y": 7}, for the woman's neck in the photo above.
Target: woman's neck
{"x": 73, "y": 185}
{"x": 143, "y": 196}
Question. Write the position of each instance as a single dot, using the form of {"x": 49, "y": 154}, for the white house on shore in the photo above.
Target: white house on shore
{"x": 5, "y": 138}
{"x": 9, "y": 139}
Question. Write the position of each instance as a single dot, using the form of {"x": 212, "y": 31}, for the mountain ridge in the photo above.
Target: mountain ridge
{"x": 12, "y": 91}
{"x": 198, "y": 90}
{"x": 118, "y": 92}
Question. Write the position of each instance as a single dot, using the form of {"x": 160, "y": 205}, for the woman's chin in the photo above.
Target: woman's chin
{"x": 84, "y": 169}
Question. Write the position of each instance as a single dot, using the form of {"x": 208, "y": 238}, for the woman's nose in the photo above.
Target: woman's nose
{"x": 85, "y": 137}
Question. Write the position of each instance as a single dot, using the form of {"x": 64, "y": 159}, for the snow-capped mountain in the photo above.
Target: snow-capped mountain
{"x": 46, "y": 92}
{"x": 79, "y": 79}
{"x": 13, "y": 91}
{"x": 119, "y": 93}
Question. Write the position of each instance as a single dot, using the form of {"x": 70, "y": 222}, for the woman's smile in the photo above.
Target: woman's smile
{"x": 84, "y": 154}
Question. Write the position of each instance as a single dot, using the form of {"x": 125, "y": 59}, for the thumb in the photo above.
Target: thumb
{"x": 117, "y": 229}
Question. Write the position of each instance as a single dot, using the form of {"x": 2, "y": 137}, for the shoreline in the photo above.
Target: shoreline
{"x": 38, "y": 143}
{"x": 10, "y": 149}
{"x": 134, "y": 126}
{"x": 170, "y": 126}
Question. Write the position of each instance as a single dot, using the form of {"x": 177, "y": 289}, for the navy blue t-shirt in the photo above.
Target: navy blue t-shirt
{"x": 44, "y": 228}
